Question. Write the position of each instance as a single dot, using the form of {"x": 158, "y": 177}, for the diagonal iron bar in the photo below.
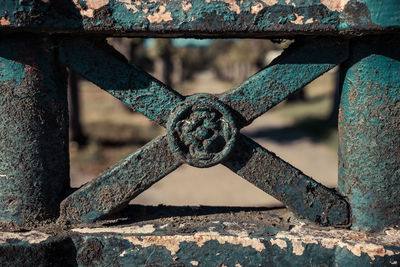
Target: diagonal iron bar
{"x": 298, "y": 65}
{"x": 107, "y": 68}
{"x": 113, "y": 189}
{"x": 306, "y": 197}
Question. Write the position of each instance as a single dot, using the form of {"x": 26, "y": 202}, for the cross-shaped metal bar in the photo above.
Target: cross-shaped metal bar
{"x": 203, "y": 130}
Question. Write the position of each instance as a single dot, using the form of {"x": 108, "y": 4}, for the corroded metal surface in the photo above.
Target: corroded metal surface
{"x": 202, "y": 18}
{"x": 126, "y": 82}
{"x": 300, "y": 193}
{"x": 34, "y": 159}
{"x": 369, "y": 134}
{"x": 205, "y": 236}
{"x": 118, "y": 185}
{"x": 298, "y": 65}
{"x": 203, "y": 131}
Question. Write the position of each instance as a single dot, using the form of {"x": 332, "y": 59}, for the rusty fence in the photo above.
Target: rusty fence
{"x": 41, "y": 216}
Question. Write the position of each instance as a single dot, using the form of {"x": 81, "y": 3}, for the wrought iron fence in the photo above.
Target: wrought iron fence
{"x": 41, "y": 38}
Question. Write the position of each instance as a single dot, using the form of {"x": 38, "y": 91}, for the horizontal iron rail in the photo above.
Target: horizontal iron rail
{"x": 201, "y": 18}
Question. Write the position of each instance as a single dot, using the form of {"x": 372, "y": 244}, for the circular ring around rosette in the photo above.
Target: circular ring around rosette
{"x": 201, "y": 130}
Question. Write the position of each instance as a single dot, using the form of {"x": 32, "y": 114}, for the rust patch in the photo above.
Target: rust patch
{"x": 160, "y": 16}
{"x": 335, "y": 5}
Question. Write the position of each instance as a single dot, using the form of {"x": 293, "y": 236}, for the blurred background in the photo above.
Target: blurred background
{"x": 302, "y": 129}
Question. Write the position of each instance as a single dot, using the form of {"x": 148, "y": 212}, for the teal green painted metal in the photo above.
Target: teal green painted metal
{"x": 212, "y": 253}
{"x": 202, "y": 131}
{"x": 207, "y": 236}
{"x": 34, "y": 159}
{"x": 201, "y": 18}
{"x": 126, "y": 82}
{"x": 385, "y": 13}
{"x": 117, "y": 186}
{"x": 298, "y": 65}
{"x": 201, "y": 119}
{"x": 115, "y": 250}
{"x": 301, "y": 194}
{"x": 33, "y": 137}
{"x": 369, "y": 134}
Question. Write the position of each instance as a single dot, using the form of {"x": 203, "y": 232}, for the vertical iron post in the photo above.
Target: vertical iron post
{"x": 34, "y": 160}
{"x": 369, "y": 133}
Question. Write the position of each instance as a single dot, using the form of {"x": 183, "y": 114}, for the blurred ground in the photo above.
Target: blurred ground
{"x": 297, "y": 132}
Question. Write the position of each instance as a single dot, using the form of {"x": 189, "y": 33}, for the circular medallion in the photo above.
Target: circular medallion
{"x": 201, "y": 131}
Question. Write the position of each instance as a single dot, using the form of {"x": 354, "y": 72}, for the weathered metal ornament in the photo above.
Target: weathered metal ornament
{"x": 201, "y": 131}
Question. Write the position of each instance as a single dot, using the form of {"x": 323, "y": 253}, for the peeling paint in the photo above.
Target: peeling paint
{"x": 91, "y": 5}
{"x": 3, "y": 175}
{"x": 4, "y": 21}
{"x": 32, "y": 237}
{"x": 257, "y": 8}
{"x": 335, "y": 5}
{"x": 96, "y": 4}
{"x": 393, "y": 234}
{"x": 298, "y": 20}
{"x": 160, "y": 16}
{"x": 233, "y": 6}
{"x": 270, "y": 2}
{"x": 186, "y": 6}
{"x": 310, "y": 20}
{"x": 361, "y": 17}
{"x": 163, "y": 226}
{"x": 297, "y": 247}
{"x": 128, "y": 4}
{"x": 172, "y": 242}
{"x": 356, "y": 242}
{"x": 145, "y": 229}
{"x": 237, "y": 229}
{"x": 279, "y": 242}
{"x": 194, "y": 263}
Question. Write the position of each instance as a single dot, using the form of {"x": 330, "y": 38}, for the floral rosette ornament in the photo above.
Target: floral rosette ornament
{"x": 202, "y": 131}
